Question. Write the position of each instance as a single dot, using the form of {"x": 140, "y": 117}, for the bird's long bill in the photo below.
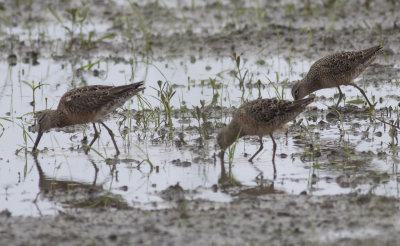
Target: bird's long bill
{"x": 39, "y": 136}
{"x": 221, "y": 155}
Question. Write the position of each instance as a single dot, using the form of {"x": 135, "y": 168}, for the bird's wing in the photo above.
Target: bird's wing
{"x": 264, "y": 111}
{"x": 86, "y": 99}
{"x": 274, "y": 111}
{"x": 339, "y": 63}
{"x": 345, "y": 62}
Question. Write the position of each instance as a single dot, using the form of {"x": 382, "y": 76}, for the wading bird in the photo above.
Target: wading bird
{"x": 261, "y": 117}
{"x": 336, "y": 70}
{"x": 84, "y": 105}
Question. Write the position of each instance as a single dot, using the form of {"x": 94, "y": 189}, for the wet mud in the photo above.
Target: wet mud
{"x": 256, "y": 220}
{"x": 338, "y": 173}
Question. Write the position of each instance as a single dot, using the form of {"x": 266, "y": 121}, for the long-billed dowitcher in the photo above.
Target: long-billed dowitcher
{"x": 261, "y": 117}
{"x": 336, "y": 70}
{"x": 84, "y": 105}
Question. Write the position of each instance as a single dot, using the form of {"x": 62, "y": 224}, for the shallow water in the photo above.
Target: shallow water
{"x": 325, "y": 155}
{"x": 200, "y": 172}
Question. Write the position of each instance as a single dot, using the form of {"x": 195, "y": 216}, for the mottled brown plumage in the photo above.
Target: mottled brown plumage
{"x": 84, "y": 105}
{"x": 336, "y": 70}
{"x": 261, "y": 117}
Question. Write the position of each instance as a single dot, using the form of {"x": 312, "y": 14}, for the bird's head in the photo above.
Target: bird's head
{"x": 44, "y": 120}
{"x": 298, "y": 90}
{"x": 221, "y": 140}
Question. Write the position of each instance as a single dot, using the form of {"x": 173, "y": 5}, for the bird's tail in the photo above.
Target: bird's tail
{"x": 299, "y": 105}
{"x": 303, "y": 102}
{"x": 131, "y": 89}
{"x": 373, "y": 51}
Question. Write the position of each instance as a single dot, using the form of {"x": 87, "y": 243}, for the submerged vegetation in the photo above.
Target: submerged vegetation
{"x": 200, "y": 61}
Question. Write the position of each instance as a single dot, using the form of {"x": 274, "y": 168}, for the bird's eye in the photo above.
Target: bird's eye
{"x": 296, "y": 92}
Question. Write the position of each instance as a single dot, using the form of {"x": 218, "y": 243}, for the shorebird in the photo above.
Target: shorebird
{"x": 84, "y": 105}
{"x": 336, "y": 70}
{"x": 261, "y": 117}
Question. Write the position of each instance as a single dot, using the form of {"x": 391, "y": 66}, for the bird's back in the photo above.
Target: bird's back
{"x": 91, "y": 103}
{"x": 343, "y": 67}
{"x": 262, "y": 116}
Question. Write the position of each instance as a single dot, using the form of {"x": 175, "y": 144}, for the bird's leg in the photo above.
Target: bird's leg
{"x": 258, "y": 151}
{"x": 363, "y": 93}
{"x": 96, "y": 170}
{"x": 273, "y": 154}
{"x": 340, "y": 96}
{"x": 112, "y": 137}
{"x": 96, "y": 135}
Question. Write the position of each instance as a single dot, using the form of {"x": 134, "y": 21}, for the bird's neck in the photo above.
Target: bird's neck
{"x": 232, "y": 132}
{"x": 311, "y": 84}
{"x": 58, "y": 119}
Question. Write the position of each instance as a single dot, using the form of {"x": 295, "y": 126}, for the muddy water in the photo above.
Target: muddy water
{"x": 177, "y": 154}
{"x": 188, "y": 47}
